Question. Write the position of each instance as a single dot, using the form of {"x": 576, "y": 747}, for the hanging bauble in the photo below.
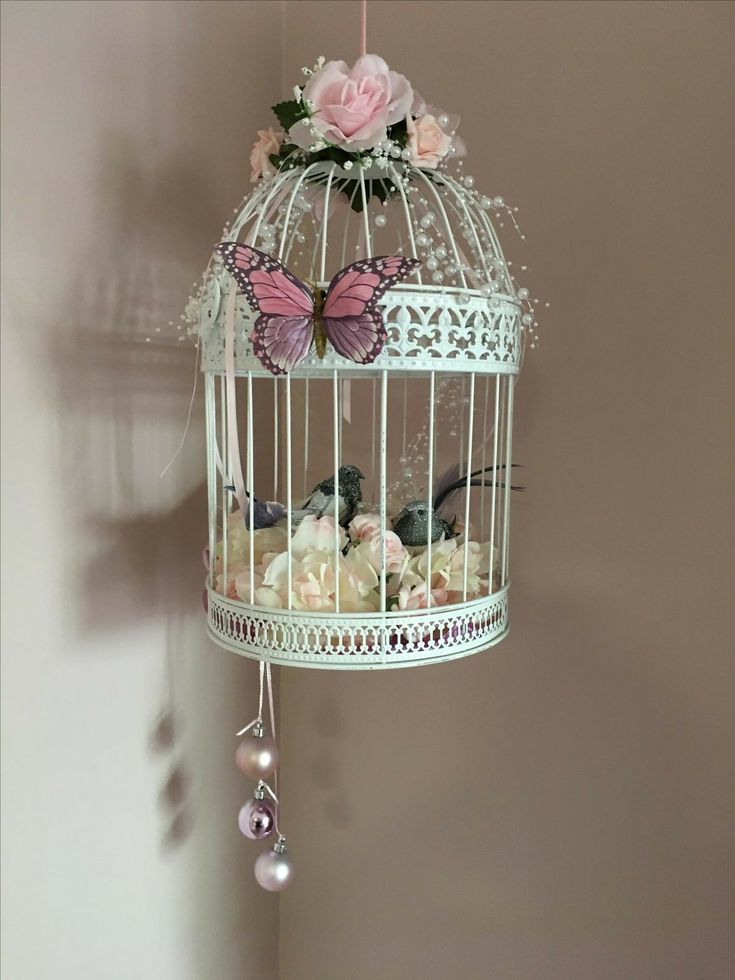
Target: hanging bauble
{"x": 257, "y": 818}
{"x": 274, "y": 868}
{"x": 257, "y": 754}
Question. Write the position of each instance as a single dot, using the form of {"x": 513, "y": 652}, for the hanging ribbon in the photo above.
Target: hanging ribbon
{"x": 259, "y": 717}
{"x": 233, "y": 440}
{"x": 347, "y": 400}
{"x": 266, "y": 687}
{"x": 271, "y": 709}
{"x": 272, "y": 795}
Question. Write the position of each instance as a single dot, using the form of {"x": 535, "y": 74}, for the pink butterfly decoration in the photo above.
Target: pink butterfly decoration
{"x": 291, "y": 315}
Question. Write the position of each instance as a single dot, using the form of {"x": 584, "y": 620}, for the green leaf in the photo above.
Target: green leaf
{"x": 334, "y": 153}
{"x": 378, "y": 187}
{"x": 288, "y": 113}
{"x": 399, "y": 133}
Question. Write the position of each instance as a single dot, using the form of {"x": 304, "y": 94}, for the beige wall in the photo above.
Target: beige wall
{"x": 123, "y": 150}
{"x": 561, "y": 807}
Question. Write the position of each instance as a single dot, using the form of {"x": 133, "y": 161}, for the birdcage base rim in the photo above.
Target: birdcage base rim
{"x": 415, "y": 638}
{"x": 333, "y": 664}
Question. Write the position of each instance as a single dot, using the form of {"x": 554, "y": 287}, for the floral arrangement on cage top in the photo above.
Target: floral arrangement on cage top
{"x": 378, "y": 141}
{"x": 367, "y": 116}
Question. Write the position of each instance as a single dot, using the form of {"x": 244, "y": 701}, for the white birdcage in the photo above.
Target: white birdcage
{"x": 436, "y": 404}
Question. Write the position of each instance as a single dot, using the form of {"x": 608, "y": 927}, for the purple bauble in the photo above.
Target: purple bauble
{"x": 257, "y": 819}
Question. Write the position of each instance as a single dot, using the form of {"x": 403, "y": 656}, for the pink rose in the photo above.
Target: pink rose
{"x": 358, "y": 581}
{"x": 364, "y": 526}
{"x": 243, "y": 581}
{"x": 317, "y": 534}
{"x": 395, "y": 552}
{"x": 314, "y": 586}
{"x": 353, "y": 106}
{"x": 428, "y": 144}
{"x": 416, "y": 597}
{"x": 268, "y": 142}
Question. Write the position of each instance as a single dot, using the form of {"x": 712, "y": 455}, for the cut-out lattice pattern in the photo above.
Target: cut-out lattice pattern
{"x": 337, "y": 641}
{"x": 428, "y": 329}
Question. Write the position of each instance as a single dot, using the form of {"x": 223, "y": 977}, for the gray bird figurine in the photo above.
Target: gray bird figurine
{"x": 321, "y": 501}
{"x": 417, "y": 519}
{"x": 412, "y": 524}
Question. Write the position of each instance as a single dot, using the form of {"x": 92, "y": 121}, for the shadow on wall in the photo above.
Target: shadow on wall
{"x": 124, "y": 400}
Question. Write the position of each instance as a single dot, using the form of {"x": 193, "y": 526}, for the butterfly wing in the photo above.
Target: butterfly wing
{"x": 351, "y": 319}
{"x": 359, "y": 338}
{"x": 283, "y": 332}
{"x": 281, "y": 342}
{"x": 268, "y": 285}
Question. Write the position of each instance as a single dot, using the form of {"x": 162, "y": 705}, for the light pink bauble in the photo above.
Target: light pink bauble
{"x": 257, "y": 757}
{"x": 273, "y": 870}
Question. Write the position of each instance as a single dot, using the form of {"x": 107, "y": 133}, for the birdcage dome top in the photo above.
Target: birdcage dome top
{"x": 319, "y": 206}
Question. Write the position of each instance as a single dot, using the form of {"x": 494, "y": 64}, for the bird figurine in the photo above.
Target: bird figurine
{"x": 321, "y": 500}
{"x": 264, "y": 513}
{"x": 412, "y": 524}
{"x": 417, "y": 520}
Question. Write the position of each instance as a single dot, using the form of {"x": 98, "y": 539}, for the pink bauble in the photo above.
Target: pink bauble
{"x": 274, "y": 868}
{"x": 257, "y": 756}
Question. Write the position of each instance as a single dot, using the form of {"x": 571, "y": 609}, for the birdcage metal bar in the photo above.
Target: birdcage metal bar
{"x": 337, "y": 549}
{"x": 276, "y": 437}
{"x": 495, "y": 473}
{"x": 325, "y": 226}
{"x": 398, "y": 183}
{"x": 289, "y": 207}
{"x": 373, "y": 430}
{"x": 365, "y": 221}
{"x": 462, "y": 422}
{"x": 251, "y": 486}
{"x": 448, "y": 235}
{"x": 459, "y": 199}
{"x": 497, "y": 250}
{"x": 468, "y": 483}
{"x": 289, "y": 493}
{"x": 430, "y": 479}
{"x": 224, "y": 476}
{"x": 484, "y": 455}
{"x": 509, "y": 440}
{"x": 405, "y": 416}
{"x": 383, "y": 496}
{"x": 306, "y": 433}
{"x": 210, "y": 407}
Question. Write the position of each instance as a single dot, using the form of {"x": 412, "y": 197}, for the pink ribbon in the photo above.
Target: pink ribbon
{"x": 233, "y": 440}
{"x": 347, "y": 400}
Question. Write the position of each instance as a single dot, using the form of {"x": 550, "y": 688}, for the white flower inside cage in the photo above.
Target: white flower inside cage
{"x": 415, "y": 568}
